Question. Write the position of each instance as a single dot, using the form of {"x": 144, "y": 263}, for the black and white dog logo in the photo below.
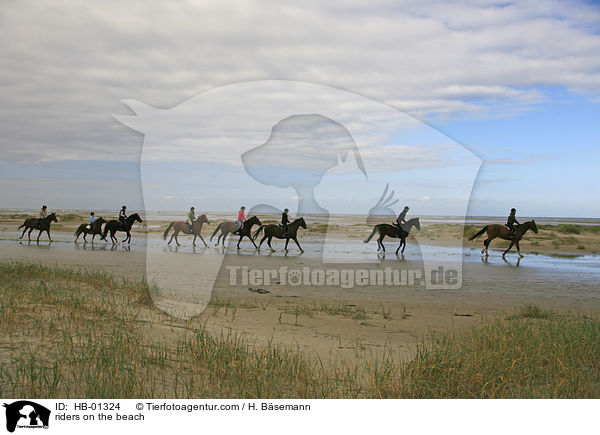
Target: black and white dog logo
{"x": 26, "y": 414}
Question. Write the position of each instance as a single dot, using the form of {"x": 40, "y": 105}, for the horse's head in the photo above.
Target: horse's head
{"x": 301, "y": 222}
{"x": 202, "y": 219}
{"x": 52, "y": 217}
{"x": 415, "y": 222}
{"x": 101, "y": 220}
{"x": 534, "y": 227}
{"x": 135, "y": 218}
{"x": 254, "y": 220}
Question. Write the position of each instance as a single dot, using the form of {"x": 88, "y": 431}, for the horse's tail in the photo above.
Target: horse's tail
{"x": 105, "y": 231}
{"x": 371, "y": 235}
{"x": 22, "y": 225}
{"x": 77, "y": 231}
{"x": 479, "y": 233}
{"x": 216, "y": 230}
{"x": 258, "y": 232}
{"x": 166, "y": 233}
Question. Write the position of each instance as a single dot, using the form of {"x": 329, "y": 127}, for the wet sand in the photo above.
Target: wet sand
{"x": 330, "y": 321}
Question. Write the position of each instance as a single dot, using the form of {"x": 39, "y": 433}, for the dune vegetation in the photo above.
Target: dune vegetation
{"x": 69, "y": 333}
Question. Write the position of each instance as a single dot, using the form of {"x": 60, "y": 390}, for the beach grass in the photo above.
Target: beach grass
{"x": 77, "y": 333}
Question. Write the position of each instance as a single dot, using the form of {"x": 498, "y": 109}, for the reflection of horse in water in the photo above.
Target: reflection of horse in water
{"x": 394, "y": 232}
{"x": 41, "y": 224}
{"x": 229, "y": 227}
{"x": 495, "y": 230}
{"x": 183, "y": 227}
{"x": 276, "y": 231}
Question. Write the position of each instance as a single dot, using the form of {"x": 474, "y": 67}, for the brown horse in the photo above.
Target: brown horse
{"x": 392, "y": 231}
{"x": 274, "y": 230}
{"x": 495, "y": 230}
{"x": 183, "y": 227}
{"x": 95, "y": 229}
{"x": 42, "y": 224}
{"x": 229, "y": 227}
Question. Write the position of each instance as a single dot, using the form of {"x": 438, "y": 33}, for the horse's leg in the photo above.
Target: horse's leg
{"x": 48, "y": 232}
{"x": 29, "y": 233}
{"x": 399, "y": 246}
{"x": 23, "y": 233}
{"x": 201, "y": 238}
{"x": 176, "y": 238}
{"x": 403, "y": 245}
{"x": 518, "y": 249}
{"x": 508, "y": 249}
{"x": 380, "y": 241}
{"x": 194, "y": 241}
{"x": 39, "y": 234}
{"x": 261, "y": 241}
{"x": 298, "y": 244}
{"x": 286, "y": 243}
{"x": 486, "y": 245}
{"x": 238, "y": 243}
{"x": 252, "y": 240}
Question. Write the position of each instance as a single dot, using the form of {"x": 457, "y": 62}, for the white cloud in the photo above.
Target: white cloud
{"x": 69, "y": 64}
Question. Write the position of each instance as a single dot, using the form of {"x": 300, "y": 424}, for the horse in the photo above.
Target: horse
{"x": 42, "y": 224}
{"x": 180, "y": 226}
{"x": 95, "y": 229}
{"x": 274, "y": 230}
{"x": 495, "y": 230}
{"x": 115, "y": 225}
{"x": 392, "y": 231}
{"x": 229, "y": 227}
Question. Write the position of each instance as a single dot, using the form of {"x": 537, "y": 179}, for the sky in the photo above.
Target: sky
{"x": 516, "y": 85}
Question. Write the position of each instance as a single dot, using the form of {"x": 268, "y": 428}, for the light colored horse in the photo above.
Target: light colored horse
{"x": 229, "y": 227}
{"x": 183, "y": 227}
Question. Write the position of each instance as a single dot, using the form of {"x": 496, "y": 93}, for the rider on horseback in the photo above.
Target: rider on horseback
{"x": 401, "y": 219}
{"x": 191, "y": 217}
{"x": 43, "y": 215}
{"x": 512, "y": 223}
{"x": 92, "y": 219}
{"x": 123, "y": 216}
{"x": 240, "y": 220}
{"x": 284, "y": 221}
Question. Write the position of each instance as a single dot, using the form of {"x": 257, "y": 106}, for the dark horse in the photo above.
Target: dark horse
{"x": 495, "y": 230}
{"x": 392, "y": 231}
{"x": 94, "y": 229}
{"x": 230, "y": 227}
{"x": 276, "y": 231}
{"x": 42, "y": 224}
{"x": 114, "y": 226}
{"x": 183, "y": 227}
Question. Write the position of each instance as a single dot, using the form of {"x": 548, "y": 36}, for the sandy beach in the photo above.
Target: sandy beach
{"x": 333, "y": 322}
